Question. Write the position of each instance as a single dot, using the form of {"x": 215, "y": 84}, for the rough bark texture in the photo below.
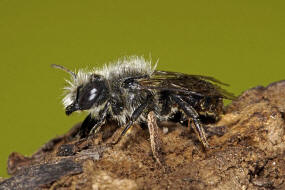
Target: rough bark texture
{"x": 247, "y": 152}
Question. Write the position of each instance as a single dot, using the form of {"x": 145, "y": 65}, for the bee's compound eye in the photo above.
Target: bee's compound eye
{"x": 87, "y": 96}
{"x": 93, "y": 93}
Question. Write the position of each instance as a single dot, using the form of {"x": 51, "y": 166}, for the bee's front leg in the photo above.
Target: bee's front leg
{"x": 91, "y": 125}
{"x": 135, "y": 115}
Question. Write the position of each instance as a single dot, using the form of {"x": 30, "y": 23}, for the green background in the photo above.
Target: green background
{"x": 239, "y": 42}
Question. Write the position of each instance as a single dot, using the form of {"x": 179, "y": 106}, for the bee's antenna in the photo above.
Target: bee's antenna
{"x": 64, "y": 69}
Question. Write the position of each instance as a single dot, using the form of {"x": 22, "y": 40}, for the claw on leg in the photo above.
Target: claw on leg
{"x": 122, "y": 134}
{"x": 199, "y": 130}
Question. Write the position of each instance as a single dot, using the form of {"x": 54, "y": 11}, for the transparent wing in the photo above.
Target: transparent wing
{"x": 185, "y": 84}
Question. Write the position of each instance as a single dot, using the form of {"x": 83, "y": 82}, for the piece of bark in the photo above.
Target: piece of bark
{"x": 248, "y": 149}
{"x": 41, "y": 175}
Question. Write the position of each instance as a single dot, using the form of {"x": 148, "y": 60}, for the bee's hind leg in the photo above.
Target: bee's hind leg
{"x": 155, "y": 141}
{"x": 191, "y": 112}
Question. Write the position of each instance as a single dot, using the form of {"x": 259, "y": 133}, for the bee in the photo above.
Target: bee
{"x": 127, "y": 90}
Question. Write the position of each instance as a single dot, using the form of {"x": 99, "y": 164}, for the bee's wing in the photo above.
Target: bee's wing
{"x": 185, "y": 84}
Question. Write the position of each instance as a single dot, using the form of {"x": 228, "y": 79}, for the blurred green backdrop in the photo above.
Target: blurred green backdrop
{"x": 239, "y": 42}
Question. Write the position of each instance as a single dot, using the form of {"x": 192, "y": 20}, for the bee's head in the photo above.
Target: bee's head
{"x": 85, "y": 91}
{"x": 88, "y": 95}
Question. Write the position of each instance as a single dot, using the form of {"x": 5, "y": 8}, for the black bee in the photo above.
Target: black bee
{"x": 129, "y": 89}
